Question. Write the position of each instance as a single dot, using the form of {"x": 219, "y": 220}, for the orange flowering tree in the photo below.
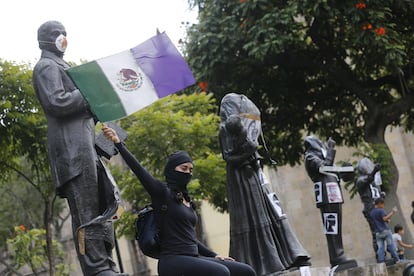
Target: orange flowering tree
{"x": 340, "y": 69}
{"x": 343, "y": 69}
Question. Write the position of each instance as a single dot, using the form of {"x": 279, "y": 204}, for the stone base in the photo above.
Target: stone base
{"x": 345, "y": 266}
{"x": 366, "y": 270}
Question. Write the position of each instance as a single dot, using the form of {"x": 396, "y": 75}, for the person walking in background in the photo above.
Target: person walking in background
{"x": 382, "y": 230}
{"x": 398, "y": 243}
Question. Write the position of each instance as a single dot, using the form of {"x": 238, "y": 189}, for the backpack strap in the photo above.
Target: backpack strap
{"x": 164, "y": 205}
{"x": 161, "y": 209}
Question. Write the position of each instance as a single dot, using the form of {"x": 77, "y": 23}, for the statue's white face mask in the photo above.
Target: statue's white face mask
{"x": 61, "y": 43}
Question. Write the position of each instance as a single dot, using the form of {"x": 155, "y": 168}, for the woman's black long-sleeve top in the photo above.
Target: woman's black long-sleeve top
{"x": 178, "y": 222}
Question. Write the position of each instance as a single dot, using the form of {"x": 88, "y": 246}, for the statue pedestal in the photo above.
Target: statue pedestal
{"x": 368, "y": 270}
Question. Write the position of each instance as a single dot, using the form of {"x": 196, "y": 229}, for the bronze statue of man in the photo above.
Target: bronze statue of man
{"x": 319, "y": 164}
{"x": 260, "y": 233}
{"x": 74, "y": 163}
{"x": 368, "y": 191}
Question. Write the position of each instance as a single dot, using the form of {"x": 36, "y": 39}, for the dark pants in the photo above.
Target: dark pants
{"x": 372, "y": 228}
{"x": 180, "y": 265}
{"x": 334, "y": 240}
{"x": 86, "y": 202}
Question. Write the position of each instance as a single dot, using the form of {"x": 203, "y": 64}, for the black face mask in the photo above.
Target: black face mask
{"x": 178, "y": 180}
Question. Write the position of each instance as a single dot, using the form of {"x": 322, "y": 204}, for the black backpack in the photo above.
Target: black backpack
{"x": 147, "y": 232}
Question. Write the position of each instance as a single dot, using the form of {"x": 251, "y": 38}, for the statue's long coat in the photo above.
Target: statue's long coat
{"x": 71, "y": 128}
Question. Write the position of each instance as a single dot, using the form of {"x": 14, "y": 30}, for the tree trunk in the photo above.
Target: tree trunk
{"x": 48, "y": 217}
{"x": 391, "y": 198}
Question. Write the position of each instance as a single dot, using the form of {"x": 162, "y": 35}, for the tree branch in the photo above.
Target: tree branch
{"x": 19, "y": 172}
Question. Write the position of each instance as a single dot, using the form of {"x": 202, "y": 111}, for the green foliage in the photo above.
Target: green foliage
{"x": 22, "y": 123}
{"x": 126, "y": 224}
{"x": 28, "y": 248}
{"x": 23, "y": 158}
{"x": 28, "y": 195}
{"x": 16, "y": 207}
{"x": 340, "y": 69}
{"x": 23, "y": 154}
{"x": 178, "y": 122}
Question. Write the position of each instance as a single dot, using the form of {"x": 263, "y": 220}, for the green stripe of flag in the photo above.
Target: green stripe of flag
{"x": 89, "y": 77}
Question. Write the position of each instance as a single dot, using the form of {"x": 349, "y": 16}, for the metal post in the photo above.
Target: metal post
{"x": 118, "y": 254}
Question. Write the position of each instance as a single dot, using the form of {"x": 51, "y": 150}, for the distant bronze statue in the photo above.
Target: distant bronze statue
{"x": 319, "y": 163}
{"x": 260, "y": 233}
{"x": 369, "y": 190}
{"x": 78, "y": 173}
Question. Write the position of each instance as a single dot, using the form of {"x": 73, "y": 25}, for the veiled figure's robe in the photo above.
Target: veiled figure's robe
{"x": 260, "y": 233}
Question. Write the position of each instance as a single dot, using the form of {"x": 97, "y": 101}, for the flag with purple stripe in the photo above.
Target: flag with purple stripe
{"x": 121, "y": 84}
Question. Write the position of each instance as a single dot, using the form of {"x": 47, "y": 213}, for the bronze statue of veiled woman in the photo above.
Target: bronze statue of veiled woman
{"x": 260, "y": 233}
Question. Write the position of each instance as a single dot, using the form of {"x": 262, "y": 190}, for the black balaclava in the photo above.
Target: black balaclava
{"x": 47, "y": 34}
{"x": 175, "y": 179}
